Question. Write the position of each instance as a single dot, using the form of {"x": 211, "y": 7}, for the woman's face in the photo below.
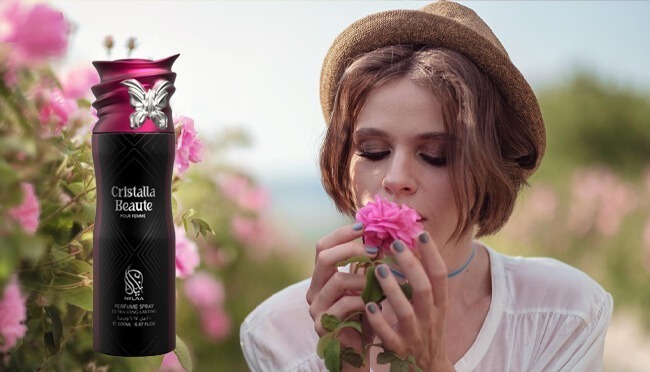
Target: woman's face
{"x": 399, "y": 153}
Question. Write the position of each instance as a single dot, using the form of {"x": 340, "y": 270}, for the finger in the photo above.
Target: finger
{"x": 417, "y": 277}
{"x": 435, "y": 268}
{"x": 339, "y": 236}
{"x": 326, "y": 264}
{"x": 393, "y": 292}
{"x": 388, "y": 336}
{"x": 341, "y": 309}
{"x": 335, "y": 288}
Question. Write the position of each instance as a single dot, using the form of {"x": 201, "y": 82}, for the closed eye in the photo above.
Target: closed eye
{"x": 374, "y": 156}
{"x": 435, "y": 161}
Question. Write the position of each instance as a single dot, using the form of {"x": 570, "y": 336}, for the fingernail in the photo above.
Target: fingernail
{"x": 423, "y": 237}
{"x": 383, "y": 271}
{"x": 398, "y": 246}
{"x": 371, "y": 250}
{"x": 372, "y": 308}
{"x": 357, "y": 226}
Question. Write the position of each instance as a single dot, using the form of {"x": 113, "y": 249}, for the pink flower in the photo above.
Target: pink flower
{"x": 36, "y": 32}
{"x": 28, "y": 212}
{"x": 599, "y": 200}
{"x": 187, "y": 254}
{"x": 252, "y": 231}
{"x": 216, "y": 323}
{"x": 55, "y": 111}
{"x": 204, "y": 291}
{"x": 241, "y": 191}
{"x": 170, "y": 363}
{"x": 385, "y": 221}
{"x": 188, "y": 145}
{"x": 12, "y": 315}
{"x": 77, "y": 83}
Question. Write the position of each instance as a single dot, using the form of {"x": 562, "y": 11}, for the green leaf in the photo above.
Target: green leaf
{"x": 48, "y": 337}
{"x": 329, "y": 322}
{"x": 154, "y": 361}
{"x": 350, "y": 324}
{"x": 408, "y": 290}
{"x": 78, "y": 266}
{"x": 411, "y": 360}
{"x": 388, "y": 260}
{"x": 320, "y": 348}
{"x": 174, "y": 205}
{"x": 183, "y": 354}
{"x": 57, "y": 326}
{"x": 354, "y": 259}
{"x": 385, "y": 357}
{"x": 75, "y": 188}
{"x": 201, "y": 227}
{"x": 80, "y": 296}
{"x": 82, "y": 102}
{"x": 332, "y": 353}
{"x": 353, "y": 357}
{"x": 373, "y": 291}
{"x": 399, "y": 365}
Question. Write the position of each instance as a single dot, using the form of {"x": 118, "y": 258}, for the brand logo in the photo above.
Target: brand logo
{"x": 133, "y": 192}
{"x": 133, "y": 284}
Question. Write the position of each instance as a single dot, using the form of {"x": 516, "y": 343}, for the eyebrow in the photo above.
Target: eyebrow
{"x": 373, "y": 132}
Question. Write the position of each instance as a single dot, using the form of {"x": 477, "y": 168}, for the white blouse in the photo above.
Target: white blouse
{"x": 544, "y": 316}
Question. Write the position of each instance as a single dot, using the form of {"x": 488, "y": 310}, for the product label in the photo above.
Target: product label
{"x": 134, "y": 244}
{"x": 133, "y": 199}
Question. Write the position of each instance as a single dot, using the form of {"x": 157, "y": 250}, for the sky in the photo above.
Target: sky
{"x": 256, "y": 65}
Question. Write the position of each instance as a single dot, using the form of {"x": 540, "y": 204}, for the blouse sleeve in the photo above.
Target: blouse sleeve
{"x": 583, "y": 345}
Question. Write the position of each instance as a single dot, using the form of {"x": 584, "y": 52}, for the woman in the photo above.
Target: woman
{"x": 424, "y": 108}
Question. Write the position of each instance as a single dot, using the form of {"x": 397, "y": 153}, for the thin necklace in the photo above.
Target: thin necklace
{"x": 462, "y": 268}
{"x": 451, "y": 274}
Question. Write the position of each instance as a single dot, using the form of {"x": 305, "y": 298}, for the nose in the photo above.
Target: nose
{"x": 399, "y": 178}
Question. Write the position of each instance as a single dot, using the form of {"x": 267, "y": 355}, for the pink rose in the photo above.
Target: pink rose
{"x": 187, "y": 254}
{"x": 204, "y": 291}
{"x": 12, "y": 315}
{"x": 55, "y": 111}
{"x": 216, "y": 323}
{"x": 188, "y": 145}
{"x": 28, "y": 212}
{"x": 77, "y": 83}
{"x": 36, "y": 32}
{"x": 241, "y": 191}
{"x": 170, "y": 363}
{"x": 385, "y": 221}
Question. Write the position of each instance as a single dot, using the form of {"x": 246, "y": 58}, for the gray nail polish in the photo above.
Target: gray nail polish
{"x": 398, "y": 246}
{"x": 423, "y": 238}
{"x": 383, "y": 272}
{"x": 371, "y": 250}
{"x": 357, "y": 226}
{"x": 372, "y": 308}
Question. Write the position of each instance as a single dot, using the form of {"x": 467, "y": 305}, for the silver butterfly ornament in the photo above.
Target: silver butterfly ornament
{"x": 148, "y": 103}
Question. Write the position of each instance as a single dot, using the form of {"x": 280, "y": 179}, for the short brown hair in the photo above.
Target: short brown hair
{"x": 491, "y": 146}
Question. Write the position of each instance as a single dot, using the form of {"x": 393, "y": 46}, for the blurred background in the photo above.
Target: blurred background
{"x": 248, "y": 77}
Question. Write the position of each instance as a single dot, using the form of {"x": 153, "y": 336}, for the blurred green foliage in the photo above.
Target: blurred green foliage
{"x": 595, "y": 181}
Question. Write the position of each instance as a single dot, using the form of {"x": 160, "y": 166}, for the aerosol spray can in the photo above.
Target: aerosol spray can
{"x": 133, "y": 146}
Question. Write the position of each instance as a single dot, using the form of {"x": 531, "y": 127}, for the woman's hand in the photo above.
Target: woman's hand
{"x": 421, "y": 325}
{"x": 337, "y": 293}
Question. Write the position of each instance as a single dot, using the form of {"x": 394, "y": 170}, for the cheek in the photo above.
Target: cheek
{"x": 365, "y": 180}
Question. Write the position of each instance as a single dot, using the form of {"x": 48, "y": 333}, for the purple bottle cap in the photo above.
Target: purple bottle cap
{"x": 133, "y": 96}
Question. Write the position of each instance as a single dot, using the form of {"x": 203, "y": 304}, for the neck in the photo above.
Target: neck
{"x": 473, "y": 282}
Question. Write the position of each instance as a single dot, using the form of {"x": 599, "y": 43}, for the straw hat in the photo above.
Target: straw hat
{"x": 445, "y": 24}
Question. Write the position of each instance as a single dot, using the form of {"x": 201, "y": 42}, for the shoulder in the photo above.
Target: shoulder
{"x": 556, "y": 315}
{"x": 546, "y": 285}
{"x": 279, "y": 334}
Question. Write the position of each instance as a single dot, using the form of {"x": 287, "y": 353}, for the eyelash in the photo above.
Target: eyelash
{"x": 376, "y": 156}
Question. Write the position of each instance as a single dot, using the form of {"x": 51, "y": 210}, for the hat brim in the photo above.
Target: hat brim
{"x": 419, "y": 27}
